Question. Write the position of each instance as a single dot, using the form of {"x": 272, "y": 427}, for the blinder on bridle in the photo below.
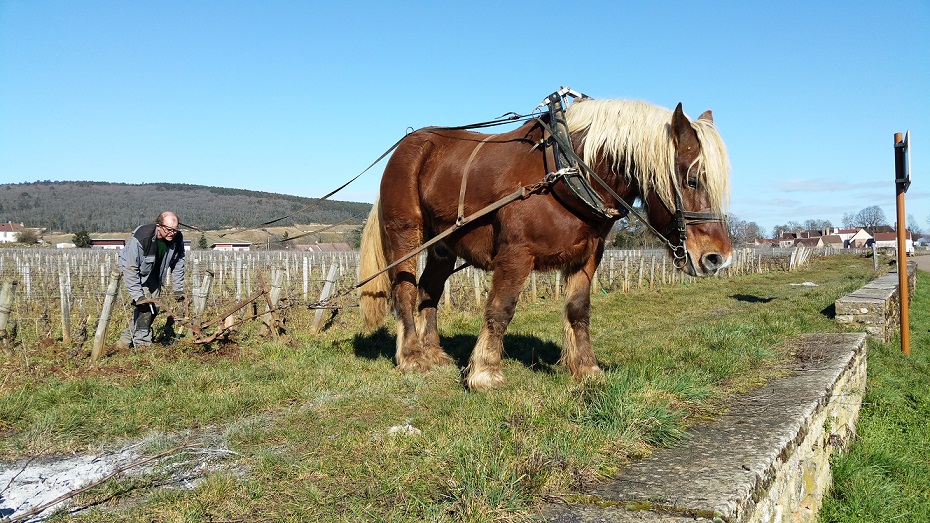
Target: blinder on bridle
{"x": 569, "y": 164}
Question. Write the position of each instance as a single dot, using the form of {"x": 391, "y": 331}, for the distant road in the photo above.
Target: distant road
{"x": 923, "y": 262}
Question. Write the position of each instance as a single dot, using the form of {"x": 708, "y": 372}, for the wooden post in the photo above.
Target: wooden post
{"x": 902, "y": 181}
{"x": 327, "y": 290}
{"x": 27, "y": 279}
{"x": 268, "y": 319}
{"x": 610, "y": 278}
{"x": 626, "y": 274}
{"x": 102, "y": 324}
{"x": 200, "y": 297}
{"x": 306, "y": 276}
{"x": 238, "y": 278}
{"x": 64, "y": 291}
{"x": 6, "y": 304}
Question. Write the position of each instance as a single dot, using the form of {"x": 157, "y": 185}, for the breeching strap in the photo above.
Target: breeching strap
{"x": 461, "y": 215}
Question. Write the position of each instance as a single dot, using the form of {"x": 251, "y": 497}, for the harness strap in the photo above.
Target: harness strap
{"x": 567, "y": 149}
{"x": 519, "y": 194}
{"x": 461, "y": 215}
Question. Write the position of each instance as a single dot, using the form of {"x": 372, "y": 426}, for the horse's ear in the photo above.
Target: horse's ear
{"x": 680, "y": 124}
{"x": 707, "y": 115}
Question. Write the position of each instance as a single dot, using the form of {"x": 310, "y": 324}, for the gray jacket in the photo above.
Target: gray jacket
{"x": 137, "y": 259}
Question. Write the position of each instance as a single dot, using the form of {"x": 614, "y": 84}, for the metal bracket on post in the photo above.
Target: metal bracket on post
{"x": 902, "y": 160}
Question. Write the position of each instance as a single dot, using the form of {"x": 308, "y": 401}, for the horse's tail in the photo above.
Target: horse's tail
{"x": 373, "y": 258}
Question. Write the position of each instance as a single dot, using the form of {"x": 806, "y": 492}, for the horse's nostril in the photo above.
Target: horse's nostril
{"x": 713, "y": 261}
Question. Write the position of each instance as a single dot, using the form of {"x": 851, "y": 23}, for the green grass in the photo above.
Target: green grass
{"x": 885, "y": 475}
{"x": 310, "y": 420}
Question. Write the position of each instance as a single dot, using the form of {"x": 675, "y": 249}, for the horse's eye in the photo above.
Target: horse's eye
{"x": 693, "y": 182}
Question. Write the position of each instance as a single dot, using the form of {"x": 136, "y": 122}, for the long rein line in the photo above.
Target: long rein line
{"x": 501, "y": 120}
{"x": 518, "y": 194}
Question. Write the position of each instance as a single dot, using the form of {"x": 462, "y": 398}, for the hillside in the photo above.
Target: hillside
{"x": 69, "y": 207}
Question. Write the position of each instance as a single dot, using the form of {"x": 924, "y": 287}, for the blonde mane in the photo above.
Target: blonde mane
{"x": 637, "y": 136}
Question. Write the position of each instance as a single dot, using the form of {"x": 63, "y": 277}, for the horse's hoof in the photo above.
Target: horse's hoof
{"x": 413, "y": 365}
{"x": 437, "y": 357}
{"x": 587, "y": 372}
{"x": 423, "y": 361}
{"x": 485, "y": 380}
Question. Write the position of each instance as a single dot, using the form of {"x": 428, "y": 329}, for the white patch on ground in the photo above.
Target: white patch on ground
{"x": 805, "y": 284}
{"x": 405, "y": 429}
{"x": 25, "y": 485}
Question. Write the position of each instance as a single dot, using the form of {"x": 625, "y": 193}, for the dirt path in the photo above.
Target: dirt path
{"x": 923, "y": 262}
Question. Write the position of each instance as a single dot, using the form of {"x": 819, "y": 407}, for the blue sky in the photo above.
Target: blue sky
{"x": 298, "y": 97}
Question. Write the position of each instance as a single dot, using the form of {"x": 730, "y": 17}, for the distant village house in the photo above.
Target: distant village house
{"x": 107, "y": 243}
{"x": 327, "y": 247}
{"x": 9, "y": 232}
{"x": 884, "y": 237}
{"x": 232, "y": 246}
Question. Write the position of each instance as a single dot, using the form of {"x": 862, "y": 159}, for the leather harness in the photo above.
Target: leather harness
{"x": 569, "y": 186}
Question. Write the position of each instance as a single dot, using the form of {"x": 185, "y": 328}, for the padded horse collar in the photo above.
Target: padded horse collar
{"x": 568, "y": 184}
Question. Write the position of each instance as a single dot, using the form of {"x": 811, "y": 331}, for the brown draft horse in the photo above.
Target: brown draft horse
{"x": 640, "y": 150}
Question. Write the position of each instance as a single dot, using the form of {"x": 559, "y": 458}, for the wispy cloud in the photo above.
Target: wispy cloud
{"x": 820, "y": 185}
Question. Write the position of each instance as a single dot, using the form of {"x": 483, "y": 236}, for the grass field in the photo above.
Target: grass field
{"x": 323, "y": 428}
{"x": 885, "y": 475}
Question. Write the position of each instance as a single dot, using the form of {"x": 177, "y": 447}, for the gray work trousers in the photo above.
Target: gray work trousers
{"x": 139, "y": 332}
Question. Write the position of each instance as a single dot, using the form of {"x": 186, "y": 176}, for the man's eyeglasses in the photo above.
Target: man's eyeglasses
{"x": 168, "y": 230}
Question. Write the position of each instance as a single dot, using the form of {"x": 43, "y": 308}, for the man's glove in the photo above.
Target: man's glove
{"x": 144, "y": 308}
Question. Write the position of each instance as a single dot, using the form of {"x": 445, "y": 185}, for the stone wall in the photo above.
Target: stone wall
{"x": 766, "y": 460}
{"x": 876, "y": 306}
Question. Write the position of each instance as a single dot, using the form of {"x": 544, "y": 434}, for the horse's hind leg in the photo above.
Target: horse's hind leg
{"x": 484, "y": 370}
{"x": 404, "y": 236}
{"x": 577, "y": 354}
{"x": 439, "y": 266}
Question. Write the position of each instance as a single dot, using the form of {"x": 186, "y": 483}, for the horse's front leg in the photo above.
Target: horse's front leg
{"x": 577, "y": 354}
{"x": 439, "y": 266}
{"x": 484, "y": 370}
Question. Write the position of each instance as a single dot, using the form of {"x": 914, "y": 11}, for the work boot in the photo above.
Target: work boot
{"x": 125, "y": 340}
{"x": 142, "y": 335}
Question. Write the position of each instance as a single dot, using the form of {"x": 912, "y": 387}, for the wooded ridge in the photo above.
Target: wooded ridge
{"x": 101, "y": 206}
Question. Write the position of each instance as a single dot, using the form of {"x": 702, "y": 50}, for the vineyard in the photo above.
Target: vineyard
{"x": 59, "y": 294}
{"x": 323, "y": 413}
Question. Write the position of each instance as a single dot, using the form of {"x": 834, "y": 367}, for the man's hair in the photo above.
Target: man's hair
{"x": 161, "y": 218}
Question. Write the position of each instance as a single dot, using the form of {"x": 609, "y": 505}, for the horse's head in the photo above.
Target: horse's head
{"x": 690, "y": 213}
{"x": 678, "y": 168}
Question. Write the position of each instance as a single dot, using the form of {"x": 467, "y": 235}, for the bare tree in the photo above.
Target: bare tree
{"x": 630, "y": 233}
{"x": 791, "y": 226}
{"x": 743, "y": 232}
{"x": 849, "y": 220}
{"x": 817, "y": 225}
{"x": 27, "y": 237}
{"x": 871, "y": 217}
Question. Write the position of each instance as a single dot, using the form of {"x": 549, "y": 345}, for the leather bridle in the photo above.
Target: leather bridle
{"x": 561, "y": 140}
